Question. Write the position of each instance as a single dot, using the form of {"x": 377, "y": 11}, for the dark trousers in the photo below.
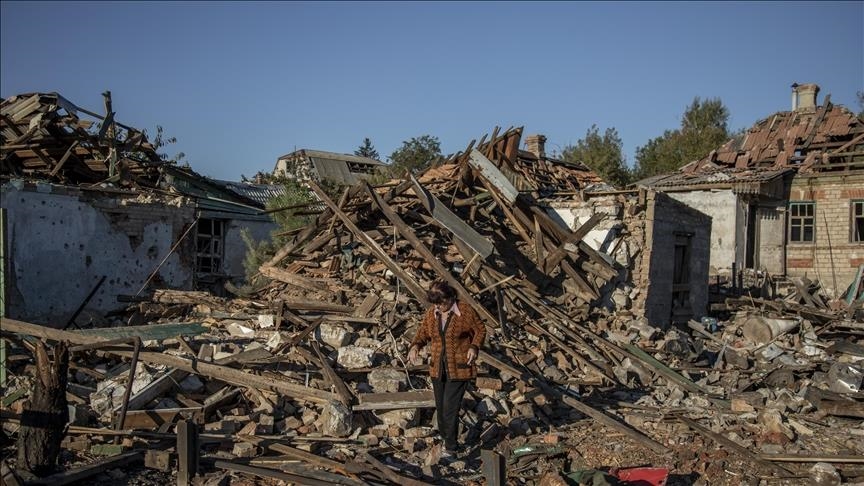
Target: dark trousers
{"x": 448, "y": 402}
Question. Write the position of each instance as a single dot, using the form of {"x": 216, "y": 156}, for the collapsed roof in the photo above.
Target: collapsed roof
{"x": 809, "y": 139}
{"x": 49, "y": 138}
{"x": 45, "y": 135}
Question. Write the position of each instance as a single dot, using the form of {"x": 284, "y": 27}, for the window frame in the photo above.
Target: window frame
{"x": 790, "y": 224}
{"x": 209, "y": 246}
{"x": 852, "y": 220}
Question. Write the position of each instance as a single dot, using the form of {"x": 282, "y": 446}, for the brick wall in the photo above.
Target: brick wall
{"x": 665, "y": 217}
{"x": 832, "y": 257}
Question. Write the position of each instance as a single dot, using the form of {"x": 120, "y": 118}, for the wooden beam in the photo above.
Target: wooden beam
{"x": 293, "y": 279}
{"x": 394, "y": 401}
{"x": 92, "y": 469}
{"x": 305, "y": 332}
{"x": 187, "y": 452}
{"x": 388, "y": 473}
{"x": 573, "y": 238}
{"x": 228, "y": 375}
{"x": 285, "y": 478}
{"x": 153, "y": 419}
{"x": 608, "y": 421}
{"x": 734, "y": 447}
{"x": 63, "y": 159}
{"x": 298, "y": 454}
{"x": 427, "y": 254}
{"x": 379, "y": 252}
{"x": 345, "y": 396}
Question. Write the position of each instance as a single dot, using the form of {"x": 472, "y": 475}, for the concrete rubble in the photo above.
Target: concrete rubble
{"x": 304, "y": 379}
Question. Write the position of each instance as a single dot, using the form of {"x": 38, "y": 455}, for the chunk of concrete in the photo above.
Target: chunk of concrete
{"x": 387, "y": 380}
{"x": 336, "y": 420}
{"x": 352, "y": 357}
{"x": 334, "y": 334}
{"x": 402, "y": 418}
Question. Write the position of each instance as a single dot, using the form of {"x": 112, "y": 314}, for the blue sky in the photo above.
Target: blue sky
{"x": 239, "y": 84}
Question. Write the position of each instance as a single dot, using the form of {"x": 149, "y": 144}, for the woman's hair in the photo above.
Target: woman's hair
{"x": 440, "y": 292}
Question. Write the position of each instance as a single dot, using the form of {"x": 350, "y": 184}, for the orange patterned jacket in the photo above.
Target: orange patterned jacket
{"x": 463, "y": 332}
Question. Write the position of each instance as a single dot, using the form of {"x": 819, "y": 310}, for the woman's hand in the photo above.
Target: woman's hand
{"x": 412, "y": 354}
{"x": 472, "y": 355}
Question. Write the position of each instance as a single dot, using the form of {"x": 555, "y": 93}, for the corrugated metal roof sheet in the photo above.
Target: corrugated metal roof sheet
{"x": 260, "y": 193}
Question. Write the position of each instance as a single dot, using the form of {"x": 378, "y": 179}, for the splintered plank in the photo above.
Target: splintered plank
{"x": 379, "y": 252}
{"x": 369, "y": 304}
{"x": 223, "y": 373}
{"x": 734, "y": 447}
{"x": 394, "y": 401}
{"x": 427, "y": 254}
{"x": 345, "y": 396}
{"x": 148, "y": 332}
{"x": 84, "y": 472}
{"x": 293, "y": 279}
{"x": 388, "y": 473}
{"x": 287, "y": 478}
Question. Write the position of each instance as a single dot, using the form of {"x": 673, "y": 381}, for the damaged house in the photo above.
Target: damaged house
{"x": 787, "y": 196}
{"x": 343, "y": 169}
{"x": 661, "y": 245}
{"x": 91, "y": 212}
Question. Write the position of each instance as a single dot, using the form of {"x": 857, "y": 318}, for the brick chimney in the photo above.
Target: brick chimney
{"x": 536, "y": 144}
{"x": 804, "y": 96}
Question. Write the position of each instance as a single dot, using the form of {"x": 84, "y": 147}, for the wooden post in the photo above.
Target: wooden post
{"x": 112, "y": 134}
{"x": 45, "y": 415}
{"x": 493, "y": 468}
{"x": 187, "y": 452}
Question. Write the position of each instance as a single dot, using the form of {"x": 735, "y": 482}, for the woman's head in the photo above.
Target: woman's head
{"x": 441, "y": 293}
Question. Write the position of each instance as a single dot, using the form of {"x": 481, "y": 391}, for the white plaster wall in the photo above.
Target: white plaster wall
{"x": 723, "y": 207}
{"x": 574, "y": 215}
{"x": 61, "y": 245}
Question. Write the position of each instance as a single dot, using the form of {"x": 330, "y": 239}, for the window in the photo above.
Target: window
{"x": 857, "y": 221}
{"x": 208, "y": 246}
{"x": 802, "y": 222}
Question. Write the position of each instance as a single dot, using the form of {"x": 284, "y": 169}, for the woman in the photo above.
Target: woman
{"x": 456, "y": 334}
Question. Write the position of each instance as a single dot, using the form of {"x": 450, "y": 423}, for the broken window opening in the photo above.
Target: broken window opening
{"x": 361, "y": 168}
{"x": 857, "y": 223}
{"x": 209, "y": 250}
{"x": 802, "y": 222}
{"x": 681, "y": 308}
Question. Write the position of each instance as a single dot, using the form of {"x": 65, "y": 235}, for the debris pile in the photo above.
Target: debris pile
{"x": 305, "y": 380}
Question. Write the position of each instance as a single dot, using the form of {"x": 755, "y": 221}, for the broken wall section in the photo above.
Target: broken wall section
{"x": 62, "y": 240}
{"x": 676, "y": 259}
{"x": 640, "y": 232}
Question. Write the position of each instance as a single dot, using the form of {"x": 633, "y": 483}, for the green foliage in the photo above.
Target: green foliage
{"x": 256, "y": 255}
{"x": 703, "y": 129}
{"x": 367, "y": 150}
{"x": 295, "y": 198}
{"x": 414, "y": 155}
{"x": 161, "y": 141}
{"x": 602, "y": 153}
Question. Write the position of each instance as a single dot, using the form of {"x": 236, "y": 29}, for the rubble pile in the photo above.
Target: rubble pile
{"x": 305, "y": 380}
{"x": 48, "y": 136}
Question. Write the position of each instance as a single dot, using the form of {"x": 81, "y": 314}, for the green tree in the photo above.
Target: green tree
{"x": 703, "y": 129}
{"x": 160, "y": 141}
{"x": 602, "y": 153}
{"x": 414, "y": 155}
{"x": 367, "y": 150}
